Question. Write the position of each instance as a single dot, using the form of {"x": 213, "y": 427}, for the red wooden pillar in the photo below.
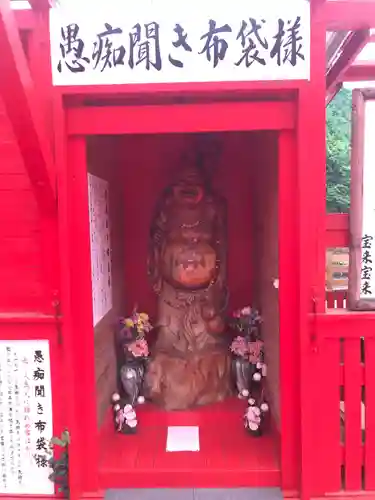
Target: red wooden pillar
{"x": 311, "y": 226}
{"x": 40, "y": 70}
{"x": 288, "y": 305}
{"x": 75, "y": 456}
{"x": 78, "y": 333}
{"x": 82, "y": 347}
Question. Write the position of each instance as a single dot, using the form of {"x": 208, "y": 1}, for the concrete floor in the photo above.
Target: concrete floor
{"x": 195, "y": 494}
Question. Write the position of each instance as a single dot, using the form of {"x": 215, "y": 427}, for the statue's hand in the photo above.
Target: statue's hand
{"x": 216, "y": 325}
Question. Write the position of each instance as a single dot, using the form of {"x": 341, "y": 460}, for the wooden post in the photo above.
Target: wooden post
{"x": 288, "y": 304}
{"x": 311, "y": 214}
{"x": 77, "y": 328}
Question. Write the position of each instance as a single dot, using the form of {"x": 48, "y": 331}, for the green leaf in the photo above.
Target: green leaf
{"x": 338, "y": 130}
{"x": 57, "y": 442}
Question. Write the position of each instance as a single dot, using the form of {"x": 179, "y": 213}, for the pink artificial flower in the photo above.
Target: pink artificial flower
{"x": 120, "y": 419}
{"x": 255, "y": 349}
{"x": 239, "y": 346}
{"x": 130, "y": 416}
{"x": 246, "y": 311}
{"x": 128, "y": 409}
{"x": 253, "y": 417}
{"x": 139, "y": 348}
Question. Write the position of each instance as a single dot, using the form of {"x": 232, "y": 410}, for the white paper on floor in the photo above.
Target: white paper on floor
{"x": 183, "y": 438}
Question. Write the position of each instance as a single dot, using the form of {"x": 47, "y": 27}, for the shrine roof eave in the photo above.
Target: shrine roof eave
{"x": 21, "y": 102}
{"x": 343, "y": 55}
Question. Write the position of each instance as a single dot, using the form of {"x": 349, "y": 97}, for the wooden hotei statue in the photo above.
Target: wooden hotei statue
{"x": 187, "y": 266}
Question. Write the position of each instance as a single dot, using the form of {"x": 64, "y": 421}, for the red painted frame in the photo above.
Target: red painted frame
{"x": 302, "y": 227}
{"x": 213, "y": 116}
{"x": 202, "y": 117}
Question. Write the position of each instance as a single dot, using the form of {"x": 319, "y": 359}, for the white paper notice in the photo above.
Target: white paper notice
{"x": 26, "y": 422}
{"x": 101, "y": 248}
{"x": 183, "y": 438}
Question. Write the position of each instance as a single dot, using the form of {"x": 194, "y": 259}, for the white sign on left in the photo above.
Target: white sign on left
{"x": 25, "y": 417}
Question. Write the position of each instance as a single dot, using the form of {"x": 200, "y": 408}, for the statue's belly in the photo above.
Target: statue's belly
{"x": 189, "y": 266}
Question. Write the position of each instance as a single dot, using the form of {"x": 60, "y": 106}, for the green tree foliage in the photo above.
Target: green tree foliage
{"x": 338, "y": 123}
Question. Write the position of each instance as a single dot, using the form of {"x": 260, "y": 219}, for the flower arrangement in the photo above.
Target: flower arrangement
{"x": 249, "y": 366}
{"x": 133, "y": 343}
{"x": 247, "y": 344}
{"x": 125, "y": 417}
{"x": 247, "y": 319}
{"x": 254, "y": 417}
{"x": 133, "y": 330}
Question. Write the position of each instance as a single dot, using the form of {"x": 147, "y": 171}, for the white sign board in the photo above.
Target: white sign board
{"x": 100, "y": 244}
{"x": 168, "y": 42}
{"x": 25, "y": 417}
{"x": 367, "y": 290}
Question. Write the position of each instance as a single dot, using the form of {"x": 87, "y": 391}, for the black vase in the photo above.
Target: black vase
{"x": 132, "y": 375}
{"x": 242, "y": 371}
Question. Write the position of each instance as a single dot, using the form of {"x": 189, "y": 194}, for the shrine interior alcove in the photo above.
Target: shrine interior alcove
{"x": 136, "y": 169}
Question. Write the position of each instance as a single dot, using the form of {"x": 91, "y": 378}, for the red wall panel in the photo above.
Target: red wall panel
{"x": 266, "y": 268}
{"x": 21, "y": 278}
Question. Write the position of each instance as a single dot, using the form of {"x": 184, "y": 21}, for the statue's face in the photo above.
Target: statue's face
{"x": 189, "y": 265}
{"x": 189, "y": 189}
{"x": 189, "y": 259}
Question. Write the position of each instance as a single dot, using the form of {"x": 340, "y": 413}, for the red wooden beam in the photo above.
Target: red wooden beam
{"x": 337, "y": 230}
{"x": 360, "y": 71}
{"x": 353, "y": 45}
{"x": 337, "y": 222}
{"x": 334, "y": 45}
{"x": 22, "y": 107}
{"x": 331, "y": 94}
{"x": 348, "y": 15}
{"x": 342, "y": 323}
{"x": 202, "y": 117}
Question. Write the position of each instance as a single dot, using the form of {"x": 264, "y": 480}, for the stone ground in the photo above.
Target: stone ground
{"x": 195, "y": 494}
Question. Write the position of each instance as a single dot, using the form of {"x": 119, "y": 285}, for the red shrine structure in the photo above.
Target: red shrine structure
{"x": 321, "y": 355}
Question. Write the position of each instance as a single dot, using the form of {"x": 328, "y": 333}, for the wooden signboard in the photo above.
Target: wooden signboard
{"x": 362, "y": 209}
{"x": 107, "y": 43}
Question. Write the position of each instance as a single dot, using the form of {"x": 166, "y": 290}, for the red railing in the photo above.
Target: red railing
{"x": 345, "y": 365}
{"x": 336, "y": 299}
